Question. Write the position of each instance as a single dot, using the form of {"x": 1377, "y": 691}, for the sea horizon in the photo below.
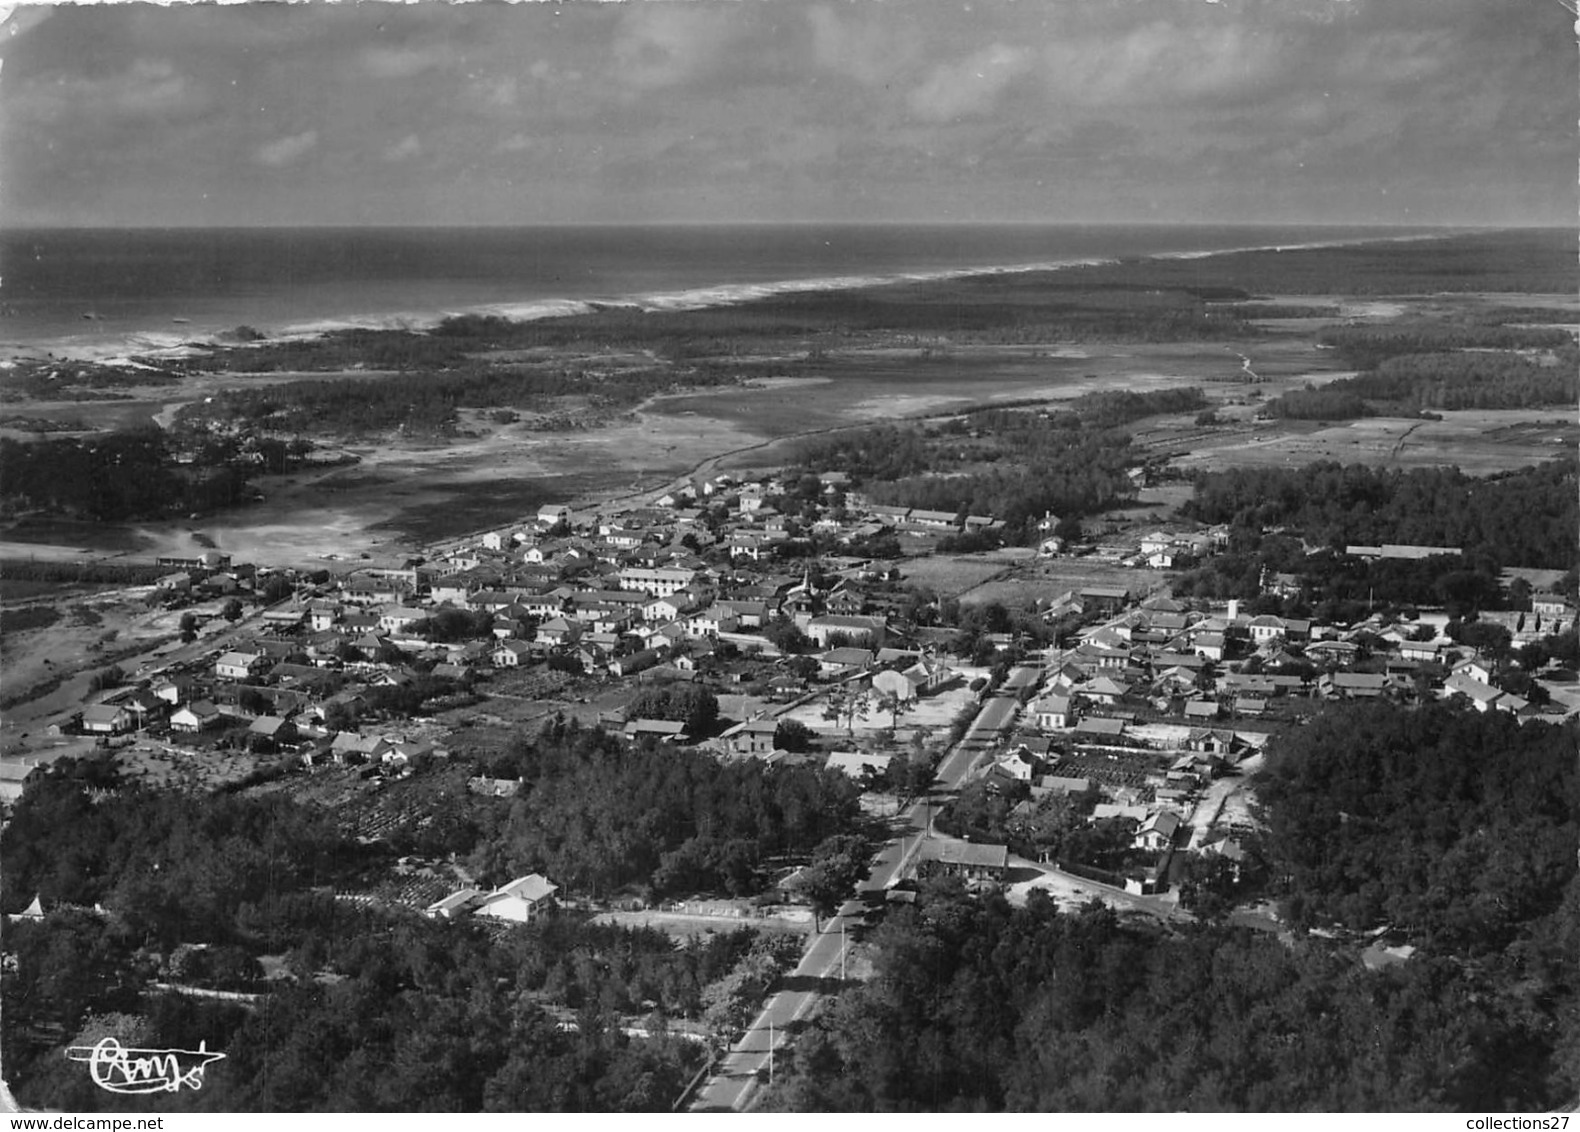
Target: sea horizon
{"x": 113, "y": 292}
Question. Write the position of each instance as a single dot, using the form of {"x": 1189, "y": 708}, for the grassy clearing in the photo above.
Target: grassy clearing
{"x": 951, "y": 576}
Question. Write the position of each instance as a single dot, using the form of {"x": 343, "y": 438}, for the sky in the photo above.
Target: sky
{"x": 699, "y": 111}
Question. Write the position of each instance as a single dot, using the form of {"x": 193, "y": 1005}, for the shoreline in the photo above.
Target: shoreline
{"x": 159, "y": 343}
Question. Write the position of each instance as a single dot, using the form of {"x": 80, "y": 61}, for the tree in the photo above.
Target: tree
{"x": 848, "y": 704}
{"x": 794, "y": 736}
{"x": 690, "y": 704}
{"x": 232, "y": 610}
{"x": 786, "y": 637}
{"x": 802, "y": 667}
{"x": 277, "y": 588}
{"x": 895, "y": 706}
{"x": 838, "y": 863}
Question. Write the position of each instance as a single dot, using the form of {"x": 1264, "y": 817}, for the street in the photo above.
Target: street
{"x": 731, "y": 1085}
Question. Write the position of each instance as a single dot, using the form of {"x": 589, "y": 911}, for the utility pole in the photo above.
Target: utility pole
{"x": 842, "y": 950}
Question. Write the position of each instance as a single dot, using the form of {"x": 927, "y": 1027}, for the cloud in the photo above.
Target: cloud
{"x": 662, "y": 44}
{"x": 402, "y": 62}
{"x": 283, "y": 151}
{"x": 971, "y": 86}
{"x": 149, "y": 88}
{"x": 867, "y": 47}
{"x": 409, "y": 146}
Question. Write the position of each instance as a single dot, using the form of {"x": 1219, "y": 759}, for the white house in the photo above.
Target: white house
{"x": 1157, "y": 832}
{"x": 106, "y": 719}
{"x": 519, "y": 900}
{"x": 238, "y": 665}
{"x": 1053, "y": 713}
{"x": 195, "y": 717}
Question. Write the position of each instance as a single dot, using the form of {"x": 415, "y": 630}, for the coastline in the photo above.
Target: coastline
{"x": 125, "y": 348}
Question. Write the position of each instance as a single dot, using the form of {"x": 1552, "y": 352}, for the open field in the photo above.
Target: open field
{"x": 1050, "y": 577}
{"x": 950, "y": 575}
{"x": 1479, "y": 441}
{"x": 821, "y": 362}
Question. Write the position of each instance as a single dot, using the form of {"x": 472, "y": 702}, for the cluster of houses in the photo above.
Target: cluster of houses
{"x": 1203, "y": 676}
{"x": 1210, "y": 666}
{"x": 694, "y": 587}
{"x": 673, "y": 592}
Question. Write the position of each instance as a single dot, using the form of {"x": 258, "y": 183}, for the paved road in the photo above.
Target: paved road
{"x": 731, "y": 1086}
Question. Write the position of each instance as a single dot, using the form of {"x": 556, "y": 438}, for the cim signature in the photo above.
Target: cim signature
{"x": 121, "y": 1070}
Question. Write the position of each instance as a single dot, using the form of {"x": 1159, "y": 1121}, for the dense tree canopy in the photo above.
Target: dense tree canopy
{"x": 977, "y": 1006}
{"x": 597, "y": 815}
{"x": 1455, "y": 826}
{"x": 1520, "y": 518}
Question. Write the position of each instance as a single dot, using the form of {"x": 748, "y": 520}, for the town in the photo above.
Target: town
{"x": 740, "y": 619}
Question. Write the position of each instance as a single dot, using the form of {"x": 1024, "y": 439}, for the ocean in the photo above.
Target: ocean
{"x": 103, "y": 292}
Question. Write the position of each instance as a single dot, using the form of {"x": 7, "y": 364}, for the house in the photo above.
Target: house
{"x": 1212, "y": 741}
{"x": 1106, "y": 690}
{"x": 1108, "y": 811}
{"x": 636, "y": 662}
{"x": 1096, "y": 728}
{"x": 1335, "y": 652}
{"x": 659, "y": 581}
{"x": 1401, "y": 552}
{"x": 963, "y": 859}
{"x": 659, "y": 730}
{"x": 1104, "y": 600}
{"x": 856, "y": 630}
{"x": 1053, "y": 713}
{"x": 837, "y": 660}
{"x": 239, "y": 665}
{"x": 941, "y": 520}
{"x": 1208, "y": 645}
{"x": 348, "y": 746}
{"x": 1475, "y": 669}
{"x": 400, "y": 619}
{"x": 856, "y": 764}
{"x": 1201, "y": 709}
{"x": 1249, "y": 705}
{"x": 1157, "y": 831}
{"x": 1018, "y": 766}
{"x": 511, "y": 654}
{"x": 494, "y": 787}
{"x": 754, "y": 737}
{"x": 1178, "y": 680}
{"x": 1420, "y": 650}
{"x": 106, "y": 719}
{"x": 179, "y": 582}
{"x": 1352, "y": 685}
{"x": 662, "y": 610}
{"x": 519, "y": 900}
{"x": 143, "y": 704}
{"x": 552, "y": 514}
{"x": 1483, "y": 697}
{"x": 195, "y": 717}
{"x": 558, "y": 631}
{"x": 456, "y": 905}
{"x": 172, "y": 691}
{"x": 1547, "y": 604}
{"x": 1266, "y": 628}
{"x": 273, "y": 729}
